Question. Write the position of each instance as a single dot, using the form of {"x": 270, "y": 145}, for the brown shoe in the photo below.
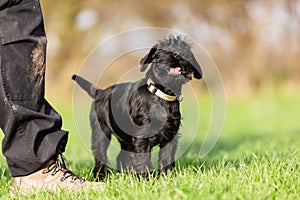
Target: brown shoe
{"x": 53, "y": 177}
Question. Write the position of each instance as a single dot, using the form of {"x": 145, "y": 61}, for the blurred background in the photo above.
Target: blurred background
{"x": 254, "y": 43}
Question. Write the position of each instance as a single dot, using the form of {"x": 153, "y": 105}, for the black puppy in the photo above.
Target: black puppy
{"x": 144, "y": 113}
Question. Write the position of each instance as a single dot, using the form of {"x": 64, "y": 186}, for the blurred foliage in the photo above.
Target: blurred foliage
{"x": 254, "y": 43}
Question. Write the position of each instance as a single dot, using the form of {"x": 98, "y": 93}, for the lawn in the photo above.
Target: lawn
{"x": 256, "y": 157}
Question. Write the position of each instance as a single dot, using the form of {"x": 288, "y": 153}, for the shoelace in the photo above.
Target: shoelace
{"x": 60, "y": 165}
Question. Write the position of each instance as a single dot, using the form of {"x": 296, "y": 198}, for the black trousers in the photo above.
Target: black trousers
{"x": 32, "y": 128}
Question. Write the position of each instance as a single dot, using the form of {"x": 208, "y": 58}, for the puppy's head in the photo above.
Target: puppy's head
{"x": 172, "y": 62}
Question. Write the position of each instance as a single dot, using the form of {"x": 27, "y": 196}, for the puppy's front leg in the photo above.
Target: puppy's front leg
{"x": 142, "y": 157}
{"x": 166, "y": 160}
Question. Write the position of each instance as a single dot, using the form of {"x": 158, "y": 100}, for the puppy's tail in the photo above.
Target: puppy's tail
{"x": 86, "y": 85}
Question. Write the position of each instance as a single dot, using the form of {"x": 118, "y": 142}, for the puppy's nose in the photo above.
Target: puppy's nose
{"x": 176, "y": 55}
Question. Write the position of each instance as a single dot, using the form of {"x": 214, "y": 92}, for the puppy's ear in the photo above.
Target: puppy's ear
{"x": 196, "y": 67}
{"x": 148, "y": 58}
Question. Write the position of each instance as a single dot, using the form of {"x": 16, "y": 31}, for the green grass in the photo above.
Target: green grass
{"x": 257, "y": 157}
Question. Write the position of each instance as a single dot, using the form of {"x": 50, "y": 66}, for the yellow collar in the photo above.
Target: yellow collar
{"x": 158, "y": 92}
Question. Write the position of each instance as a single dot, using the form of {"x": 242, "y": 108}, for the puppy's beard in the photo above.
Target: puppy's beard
{"x": 172, "y": 78}
{"x": 175, "y": 88}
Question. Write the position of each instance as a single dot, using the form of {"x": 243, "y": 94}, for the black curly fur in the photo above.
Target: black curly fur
{"x": 139, "y": 119}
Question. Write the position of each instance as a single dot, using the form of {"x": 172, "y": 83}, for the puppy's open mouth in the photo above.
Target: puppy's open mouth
{"x": 175, "y": 70}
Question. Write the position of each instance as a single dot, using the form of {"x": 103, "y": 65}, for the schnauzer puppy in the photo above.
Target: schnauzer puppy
{"x": 145, "y": 113}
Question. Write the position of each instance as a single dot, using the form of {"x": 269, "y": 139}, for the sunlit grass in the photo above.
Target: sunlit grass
{"x": 257, "y": 157}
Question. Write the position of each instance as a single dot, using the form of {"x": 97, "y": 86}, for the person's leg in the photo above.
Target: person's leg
{"x": 31, "y": 126}
{"x": 33, "y": 139}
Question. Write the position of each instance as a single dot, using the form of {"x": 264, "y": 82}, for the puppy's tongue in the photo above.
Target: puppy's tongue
{"x": 175, "y": 70}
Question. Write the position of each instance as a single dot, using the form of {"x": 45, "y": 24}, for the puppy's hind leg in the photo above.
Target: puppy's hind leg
{"x": 101, "y": 136}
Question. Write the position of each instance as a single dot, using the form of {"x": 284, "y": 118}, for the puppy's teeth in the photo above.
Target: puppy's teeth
{"x": 175, "y": 70}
